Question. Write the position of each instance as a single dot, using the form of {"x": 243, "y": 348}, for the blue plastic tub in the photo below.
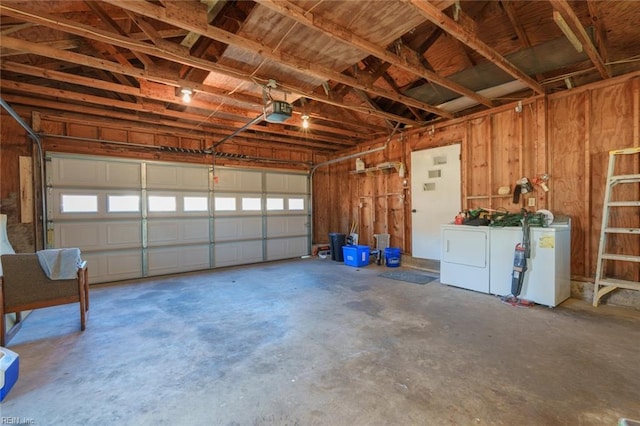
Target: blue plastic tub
{"x": 356, "y": 255}
{"x": 392, "y": 257}
{"x": 9, "y": 369}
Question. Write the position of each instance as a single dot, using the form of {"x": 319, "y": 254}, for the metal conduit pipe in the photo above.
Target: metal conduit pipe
{"x": 34, "y": 136}
{"x": 338, "y": 160}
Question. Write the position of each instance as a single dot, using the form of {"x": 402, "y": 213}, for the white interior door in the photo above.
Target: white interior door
{"x": 435, "y": 196}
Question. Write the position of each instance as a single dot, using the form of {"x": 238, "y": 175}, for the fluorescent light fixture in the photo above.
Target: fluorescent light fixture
{"x": 559, "y": 20}
{"x": 186, "y": 95}
{"x": 305, "y": 121}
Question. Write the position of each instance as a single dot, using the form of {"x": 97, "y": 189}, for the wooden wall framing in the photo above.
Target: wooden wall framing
{"x": 567, "y": 135}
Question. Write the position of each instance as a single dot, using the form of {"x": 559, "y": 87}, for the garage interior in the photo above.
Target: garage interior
{"x": 200, "y": 154}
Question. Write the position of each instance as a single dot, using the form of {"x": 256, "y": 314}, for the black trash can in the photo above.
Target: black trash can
{"x": 336, "y": 242}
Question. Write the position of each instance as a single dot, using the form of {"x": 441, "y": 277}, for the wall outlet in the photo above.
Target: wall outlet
{"x": 532, "y": 201}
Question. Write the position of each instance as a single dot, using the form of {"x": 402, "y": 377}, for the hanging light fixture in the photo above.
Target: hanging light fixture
{"x": 186, "y": 95}
{"x": 305, "y": 121}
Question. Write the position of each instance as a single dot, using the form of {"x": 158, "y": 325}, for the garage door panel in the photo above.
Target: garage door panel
{"x": 287, "y": 248}
{"x": 110, "y": 266}
{"x": 286, "y": 226}
{"x": 162, "y": 232}
{"x": 238, "y": 228}
{"x": 172, "y": 231}
{"x": 98, "y": 236}
{"x": 288, "y": 183}
{"x": 94, "y": 173}
{"x": 177, "y": 177}
{"x": 237, "y": 180}
{"x": 238, "y": 253}
{"x": 84, "y": 235}
{"x": 170, "y": 260}
{"x": 122, "y": 175}
{"x": 123, "y": 234}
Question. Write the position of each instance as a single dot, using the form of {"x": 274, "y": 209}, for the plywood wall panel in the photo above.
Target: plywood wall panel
{"x": 52, "y": 127}
{"x": 506, "y": 147}
{"x": 321, "y": 207}
{"x": 82, "y": 131}
{"x": 612, "y": 128}
{"x": 478, "y": 157}
{"x": 142, "y": 138}
{"x": 14, "y": 143}
{"x": 567, "y": 133}
{"x": 118, "y": 135}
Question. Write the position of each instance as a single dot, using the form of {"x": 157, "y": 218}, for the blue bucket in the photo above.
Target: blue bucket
{"x": 392, "y": 257}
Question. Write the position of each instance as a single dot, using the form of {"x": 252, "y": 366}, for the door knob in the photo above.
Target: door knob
{"x": 414, "y": 210}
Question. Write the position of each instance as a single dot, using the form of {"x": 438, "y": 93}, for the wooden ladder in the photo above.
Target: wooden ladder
{"x": 603, "y": 284}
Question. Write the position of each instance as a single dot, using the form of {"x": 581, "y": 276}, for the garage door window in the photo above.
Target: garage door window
{"x": 79, "y": 204}
{"x": 296, "y": 203}
{"x": 123, "y": 203}
{"x": 158, "y": 203}
{"x": 251, "y": 204}
{"x": 225, "y": 204}
{"x": 275, "y": 204}
{"x": 195, "y": 204}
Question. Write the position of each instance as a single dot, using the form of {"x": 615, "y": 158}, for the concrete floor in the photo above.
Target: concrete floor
{"x": 315, "y": 342}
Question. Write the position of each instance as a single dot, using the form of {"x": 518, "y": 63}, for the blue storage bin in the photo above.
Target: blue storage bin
{"x": 356, "y": 255}
{"x": 9, "y": 368}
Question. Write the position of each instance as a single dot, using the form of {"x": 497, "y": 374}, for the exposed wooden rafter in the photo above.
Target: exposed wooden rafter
{"x": 408, "y": 62}
{"x": 171, "y": 16}
{"x": 116, "y": 39}
{"x": 563, "y": 7}
{"x": 465, "y": 36}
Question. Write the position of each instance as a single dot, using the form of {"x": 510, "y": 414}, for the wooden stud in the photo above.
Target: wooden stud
{"x": 26, "y": 190}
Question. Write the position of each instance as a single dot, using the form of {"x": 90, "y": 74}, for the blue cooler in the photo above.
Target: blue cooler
{"x": 9, "y": 366}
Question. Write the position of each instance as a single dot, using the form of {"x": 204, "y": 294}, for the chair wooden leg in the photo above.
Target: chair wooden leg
{"x": 86, "y": 288}
{"x": 3, "y": 330}
{"x": 3, "y": 325}
{"x": 83, "y": 300}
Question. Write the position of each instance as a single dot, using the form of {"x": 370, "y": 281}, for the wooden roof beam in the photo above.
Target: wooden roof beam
{"x": 198, "y": 119}
{"x": 89, "y": 32}
{"x": 570, "y": 17}
{"x": 111, "y": 24}
{"x": 600, "y": 30}
{"x": 213, "y": 8}
{"x": 156, "y": 75}
{"x": 410, "y": 63}
{"x": 97, "y": 116}
{"x": 510, "y": 10}
{"x": 149, "y": 93}
{"x": 174, "y": 16}
{"x": 440, "y": 19}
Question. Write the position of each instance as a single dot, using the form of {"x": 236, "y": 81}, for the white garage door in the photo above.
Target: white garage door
{"x": 134, "y": 219}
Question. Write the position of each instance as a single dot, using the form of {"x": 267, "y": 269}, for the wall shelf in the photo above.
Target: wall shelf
{"x": 382, "y": 167}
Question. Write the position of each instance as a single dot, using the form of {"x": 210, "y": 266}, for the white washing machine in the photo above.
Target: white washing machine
{"x": 548, "y": 277}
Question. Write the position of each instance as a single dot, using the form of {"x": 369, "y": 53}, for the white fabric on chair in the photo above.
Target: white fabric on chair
{"x": 60, "y": 264}
{"x": 5, "y": 245}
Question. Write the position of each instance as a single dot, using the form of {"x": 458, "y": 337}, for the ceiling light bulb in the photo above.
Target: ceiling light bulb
{"x": 186, "y": 95}
{"x": 305, "y": 121}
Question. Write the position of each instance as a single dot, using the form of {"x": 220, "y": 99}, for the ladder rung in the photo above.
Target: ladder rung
{"x": 622, "y": 230}
{"x": 634, "y": 285}
{"x": 624, "y": 179}
{"x": 632, "y": 150}
{"x": 624, "y": 257}
{"x": 624, "y": 204}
